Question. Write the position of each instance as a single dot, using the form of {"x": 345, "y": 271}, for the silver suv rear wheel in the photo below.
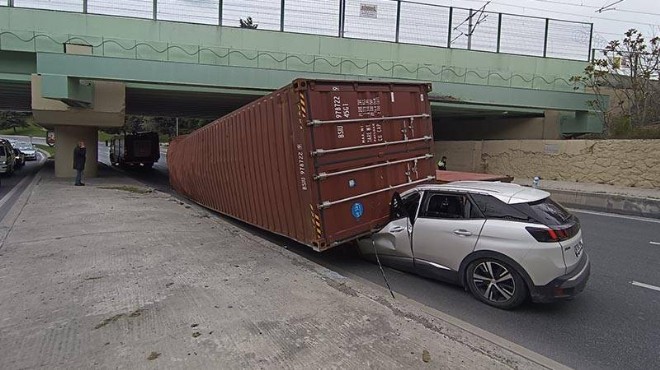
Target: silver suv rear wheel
{"x": 495, "y": 283}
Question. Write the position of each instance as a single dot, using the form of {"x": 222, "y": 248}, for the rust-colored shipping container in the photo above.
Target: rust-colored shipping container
{"x": 316, "y": 161}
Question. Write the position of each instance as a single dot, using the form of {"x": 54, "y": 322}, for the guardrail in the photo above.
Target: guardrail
{"x": 382, "y": 20}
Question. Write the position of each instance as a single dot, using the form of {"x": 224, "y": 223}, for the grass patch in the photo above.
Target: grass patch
{"x": 49, "y": 149}
{"x": 32, "y": 129}
{"x": 104, "y": 136}
{"x": 128, "y": 188}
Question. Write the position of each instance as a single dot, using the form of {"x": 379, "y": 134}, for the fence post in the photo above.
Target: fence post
{"x": 451, "y": 15}
{"x": 591, "y": 39}
{"x": 85, "y": 6}
{"x": 499, "y": 31}
{"x": 220, "y": 13}
{"x": 545, "y": 39}
{"x": 282, "y": 16}
{"x": 342, "y": 17}
{"x": 155, "y": 15}
{"x": 398, "y": 19}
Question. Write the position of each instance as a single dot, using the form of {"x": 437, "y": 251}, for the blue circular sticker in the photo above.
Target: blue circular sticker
{"x": 357, "y": 209}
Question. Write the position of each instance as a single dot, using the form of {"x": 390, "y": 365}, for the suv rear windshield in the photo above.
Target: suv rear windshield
{"x": 546, "y": 211}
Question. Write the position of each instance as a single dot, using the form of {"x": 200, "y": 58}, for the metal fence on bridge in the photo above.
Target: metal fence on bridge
{"x": 383, "y": 20}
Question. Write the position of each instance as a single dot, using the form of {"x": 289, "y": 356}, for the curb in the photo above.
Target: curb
{"x": 485, "y": 335}
{"x": 611, "y": 203}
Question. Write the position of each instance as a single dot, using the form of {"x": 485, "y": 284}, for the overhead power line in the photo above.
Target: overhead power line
{"x": 472, "y": 27}
{"x": 573, "y": 14}
{"x": 608, "y": 7}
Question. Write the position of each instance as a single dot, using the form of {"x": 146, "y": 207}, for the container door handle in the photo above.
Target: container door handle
{"x": 462, "y": 232}
{"x": 397, "y": 229}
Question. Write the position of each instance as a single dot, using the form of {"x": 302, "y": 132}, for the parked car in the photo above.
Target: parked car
{"x": 502, "y": 242}
{"x": 7, "y": 157}
{"x": 20, "y": 159}
{"x": 28, "y": 149}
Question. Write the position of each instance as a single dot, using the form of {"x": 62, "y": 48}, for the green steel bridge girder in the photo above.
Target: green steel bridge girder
{"x": 69, "y": 90}
{"x": 266, "y": 80}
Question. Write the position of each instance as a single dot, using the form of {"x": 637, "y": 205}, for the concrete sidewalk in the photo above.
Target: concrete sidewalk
{"x": 604, "y": 198}
{"x": 113, "y": 275}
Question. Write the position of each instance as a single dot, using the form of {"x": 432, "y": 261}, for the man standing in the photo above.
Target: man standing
{"x": 79, "y": 158}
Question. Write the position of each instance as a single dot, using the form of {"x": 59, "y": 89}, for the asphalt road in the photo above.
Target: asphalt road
{"x": 11, "y": 187}
{"x": 613, "y": 324}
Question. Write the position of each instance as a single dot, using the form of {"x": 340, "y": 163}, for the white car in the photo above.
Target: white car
{"x": 28, "y": 149}
{"x": 502, "y": 242}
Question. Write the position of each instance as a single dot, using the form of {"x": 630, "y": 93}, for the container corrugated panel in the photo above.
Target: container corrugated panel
{"x": 316, "y": 161}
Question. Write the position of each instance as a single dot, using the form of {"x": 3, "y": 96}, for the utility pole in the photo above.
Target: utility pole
{"x": 470, "y": 30}
{"x": 177, "y": 127}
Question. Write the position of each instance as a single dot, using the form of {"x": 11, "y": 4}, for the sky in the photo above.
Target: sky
{"x": 611, "y": 18}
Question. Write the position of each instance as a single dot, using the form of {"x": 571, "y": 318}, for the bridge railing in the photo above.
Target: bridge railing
{"x": 384, "y": 20}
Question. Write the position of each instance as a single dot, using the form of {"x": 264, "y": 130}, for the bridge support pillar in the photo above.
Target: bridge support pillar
{"x": 67, "y": 137}
{"x": 76, "y": 110}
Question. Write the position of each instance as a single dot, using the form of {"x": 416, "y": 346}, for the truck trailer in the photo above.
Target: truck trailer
{"x": 316, "y": 161}
{"x": 137, "y": 149}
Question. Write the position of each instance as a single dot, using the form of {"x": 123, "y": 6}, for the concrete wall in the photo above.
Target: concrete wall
{"x": 633, "y": 163}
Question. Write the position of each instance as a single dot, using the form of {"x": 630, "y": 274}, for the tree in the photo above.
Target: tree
{"x": 165, "y": 125}
{"x": 248, "y": 23}
{"x": 9, "y": 119}
{"x": 628, "y": 72}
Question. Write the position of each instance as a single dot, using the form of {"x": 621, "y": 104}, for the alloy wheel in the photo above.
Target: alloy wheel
{"x": 494, "y": 281}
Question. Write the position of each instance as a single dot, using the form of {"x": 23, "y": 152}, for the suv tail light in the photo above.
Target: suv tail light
{"x": 552, "y": 235}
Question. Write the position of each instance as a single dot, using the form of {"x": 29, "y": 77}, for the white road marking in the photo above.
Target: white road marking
{"x": 635, "y": 218}
{"x": 654, "y": 243}
{"x": 647, "y": 286}
{"x": 14, "y": 190}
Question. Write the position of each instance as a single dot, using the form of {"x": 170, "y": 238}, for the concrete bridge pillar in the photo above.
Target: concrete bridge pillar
{"x": 67, "y": 137}
{"x": 76, "y": 110}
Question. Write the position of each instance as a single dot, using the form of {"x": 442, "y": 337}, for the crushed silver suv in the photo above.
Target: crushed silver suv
{"x": 502, "y": 242}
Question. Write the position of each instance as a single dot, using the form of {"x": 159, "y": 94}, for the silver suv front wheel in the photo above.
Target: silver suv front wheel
{"x": 495, "y": 283}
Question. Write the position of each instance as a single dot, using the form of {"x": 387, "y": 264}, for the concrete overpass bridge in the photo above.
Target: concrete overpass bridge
{"x": 80, "y": 65}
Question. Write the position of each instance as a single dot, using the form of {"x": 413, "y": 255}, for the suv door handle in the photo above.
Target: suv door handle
{"x": 397, "y": 229}
{"x": 462, "y": 232}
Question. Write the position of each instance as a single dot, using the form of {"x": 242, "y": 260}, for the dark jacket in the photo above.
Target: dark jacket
{"x": 79, "y": 156}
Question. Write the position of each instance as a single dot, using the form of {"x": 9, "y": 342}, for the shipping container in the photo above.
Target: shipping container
{"x": 316, "y": 161}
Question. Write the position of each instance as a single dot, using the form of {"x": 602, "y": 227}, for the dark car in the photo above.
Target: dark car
{"x": 20, "y": 159}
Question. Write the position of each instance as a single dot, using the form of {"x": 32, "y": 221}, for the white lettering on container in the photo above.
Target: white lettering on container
{"x": 340, "y": 132}
{"x": 301, "y": 167}
{"x": 369, "y": 107}
{"x": 341, "y": 110}
{"x": 371, "y": 133}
